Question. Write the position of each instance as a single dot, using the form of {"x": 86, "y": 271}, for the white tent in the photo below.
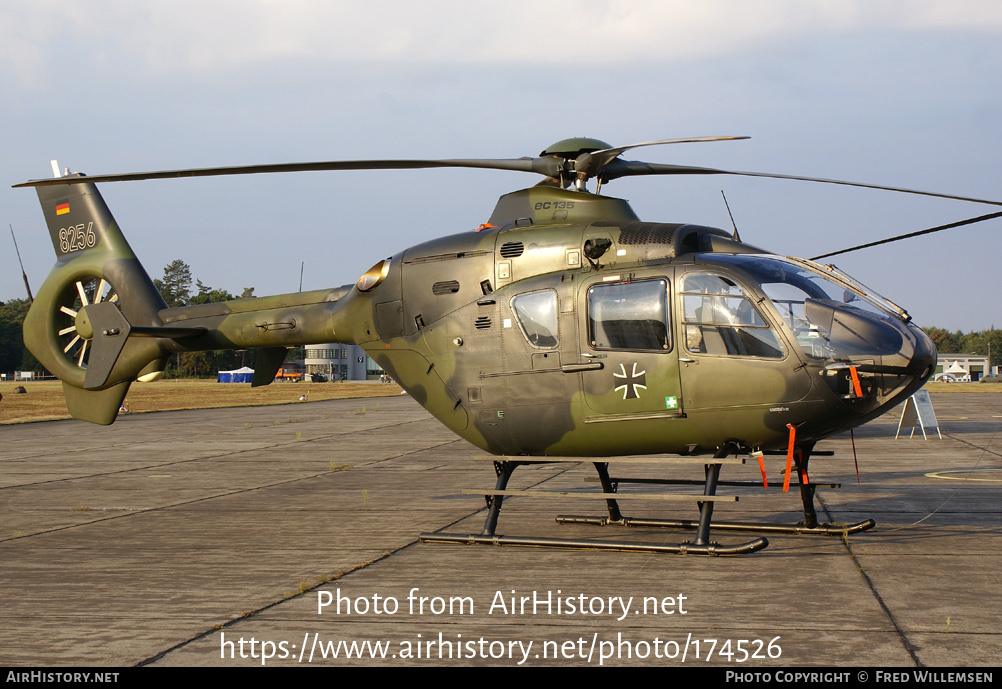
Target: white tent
{"x": 955, "y": 367}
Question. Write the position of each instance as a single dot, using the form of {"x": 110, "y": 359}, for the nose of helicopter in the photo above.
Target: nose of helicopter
{"x": 881, "y": 360}
{"x": 925, "y": 355}
{"x": 916, "y": 360}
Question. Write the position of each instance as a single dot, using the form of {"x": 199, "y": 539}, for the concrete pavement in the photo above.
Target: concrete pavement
{"x": 167, "y": 539}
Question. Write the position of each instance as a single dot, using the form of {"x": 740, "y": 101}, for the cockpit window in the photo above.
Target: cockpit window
{"x": 804, "y": 300}
{"x": 719, "y": 319}
{"x": 536, "y": 313}
{"x": 629, "y": 315}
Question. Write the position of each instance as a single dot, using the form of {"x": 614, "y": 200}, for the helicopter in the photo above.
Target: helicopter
{"x": 563, "y": 328}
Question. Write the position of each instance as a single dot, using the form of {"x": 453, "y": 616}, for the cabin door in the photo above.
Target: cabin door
{"x": 625, "y": 324}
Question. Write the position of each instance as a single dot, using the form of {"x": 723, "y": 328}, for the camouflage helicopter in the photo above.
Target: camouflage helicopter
{"x": 563, "y": 327}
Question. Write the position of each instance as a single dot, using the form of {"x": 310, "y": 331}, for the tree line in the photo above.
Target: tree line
{"x": 974, "y": 342}
{"x": 14, "y": 356}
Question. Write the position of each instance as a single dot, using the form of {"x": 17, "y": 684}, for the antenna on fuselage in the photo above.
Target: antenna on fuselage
{"x": 728, "y": 207}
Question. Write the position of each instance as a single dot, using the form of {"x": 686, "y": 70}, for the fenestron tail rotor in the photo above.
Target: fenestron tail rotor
{"x": 73, "y": 327}
{"x": 79, "y": 325}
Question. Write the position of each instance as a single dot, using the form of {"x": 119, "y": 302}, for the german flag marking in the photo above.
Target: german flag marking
{"x": 62, "y": 209}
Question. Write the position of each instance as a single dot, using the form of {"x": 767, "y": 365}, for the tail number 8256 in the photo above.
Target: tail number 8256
{"x": 77, "y": 238}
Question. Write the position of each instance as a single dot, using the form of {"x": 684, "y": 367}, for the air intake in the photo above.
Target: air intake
{"x": 512, "y": 249}
{"x": 446, "y": 287}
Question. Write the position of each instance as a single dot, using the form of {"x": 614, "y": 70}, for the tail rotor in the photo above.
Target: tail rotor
{"x": 79, "y": 323}
{"x": 73, "y": 327}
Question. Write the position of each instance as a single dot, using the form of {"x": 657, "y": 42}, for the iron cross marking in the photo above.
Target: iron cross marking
{"x": 631, "y": 382}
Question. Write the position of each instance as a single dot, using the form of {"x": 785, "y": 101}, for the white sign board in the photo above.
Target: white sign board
{"x": 918, "y": 411}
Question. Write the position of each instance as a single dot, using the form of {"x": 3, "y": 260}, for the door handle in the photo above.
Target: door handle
{"x": 584, "y": 366}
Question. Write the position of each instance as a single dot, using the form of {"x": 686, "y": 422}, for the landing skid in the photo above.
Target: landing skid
{"x": 810, "y": 525}
{"x": 701, "y": 545}
{"x": 681, "y": 549}
{"x": 825, "y": 529}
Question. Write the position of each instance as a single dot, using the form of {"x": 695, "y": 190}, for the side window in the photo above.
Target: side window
{"x": 629, "y": 315}
{"x": 536, "y": 313}
{"x": 720, "y": 319}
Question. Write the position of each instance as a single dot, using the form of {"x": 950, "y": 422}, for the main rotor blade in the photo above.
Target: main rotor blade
{"x": 969, "y": 221}
{"x": 549, "y": 167}
{"x": 600, "y": 159}
{"x": 628, "y": 168}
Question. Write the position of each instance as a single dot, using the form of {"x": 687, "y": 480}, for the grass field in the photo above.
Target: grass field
{"x": 44, "y": 400}
{"x": 963, "y": 387}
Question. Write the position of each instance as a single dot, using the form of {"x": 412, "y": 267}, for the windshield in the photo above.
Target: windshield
{"x": 805, "y": 300}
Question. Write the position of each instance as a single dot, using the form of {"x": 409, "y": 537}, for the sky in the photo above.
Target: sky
{"x": 901, "y": 92}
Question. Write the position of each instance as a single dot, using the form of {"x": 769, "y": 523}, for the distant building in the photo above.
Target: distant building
{"x": 962, "y": 367}
{"x": 334, "y": 360}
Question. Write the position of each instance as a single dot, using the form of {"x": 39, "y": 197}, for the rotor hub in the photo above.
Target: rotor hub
{"x": 572, "y": 148}
{"x": 82, "y": 322}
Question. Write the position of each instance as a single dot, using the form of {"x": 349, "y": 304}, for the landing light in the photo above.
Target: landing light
{"x": 373, "y": 276}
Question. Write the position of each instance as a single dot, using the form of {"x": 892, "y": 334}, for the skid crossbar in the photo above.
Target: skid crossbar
{"x": 701, "y": 545}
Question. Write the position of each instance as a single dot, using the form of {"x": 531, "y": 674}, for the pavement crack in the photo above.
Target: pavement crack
{"x": 873, "y": 590}
{"x": 977, "y": 447}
